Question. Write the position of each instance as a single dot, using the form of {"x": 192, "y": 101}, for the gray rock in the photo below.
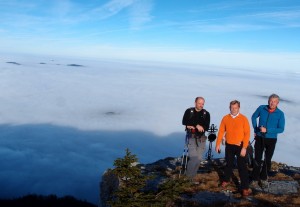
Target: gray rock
{"x": 280, "y": 187}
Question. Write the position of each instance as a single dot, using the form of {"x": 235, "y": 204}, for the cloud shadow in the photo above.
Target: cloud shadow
{"x": 48, "y": 159}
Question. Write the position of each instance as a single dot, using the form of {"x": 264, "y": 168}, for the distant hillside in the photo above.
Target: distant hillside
{"x": 44, "y": 201}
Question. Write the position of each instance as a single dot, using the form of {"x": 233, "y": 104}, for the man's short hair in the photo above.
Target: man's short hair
{"x": 274, "y": 96}
{"x": 235, "y": 102}
{"x": 199, "y": 97}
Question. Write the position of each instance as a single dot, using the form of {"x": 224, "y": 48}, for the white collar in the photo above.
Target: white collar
{"x": 235, "y": 115}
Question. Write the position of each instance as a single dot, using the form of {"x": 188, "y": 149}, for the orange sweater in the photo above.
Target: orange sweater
{"x": 236, "y": 130}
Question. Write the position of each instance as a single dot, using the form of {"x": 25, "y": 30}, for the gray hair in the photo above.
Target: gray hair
{"x": 274, "y": 96}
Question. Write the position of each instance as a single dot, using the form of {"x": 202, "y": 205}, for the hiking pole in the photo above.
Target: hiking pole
{"x": 186, "y": 159}
{"x": 184, "y": 155}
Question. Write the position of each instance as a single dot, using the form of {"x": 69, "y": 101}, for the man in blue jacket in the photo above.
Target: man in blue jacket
{"x": 270, "y": 122}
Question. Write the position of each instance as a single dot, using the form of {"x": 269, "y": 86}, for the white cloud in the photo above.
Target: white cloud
{"x": 237, "y": 59}
{"x": 62, "y": 126}
{"x": 140, "y": 13}
{"x": 248, "y": 21}
{"x": 206, "y": 27}
{"x": 112, "y": 8}
{"x": 293, "y": 14}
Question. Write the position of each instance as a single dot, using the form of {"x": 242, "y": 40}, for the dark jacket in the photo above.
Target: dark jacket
{"x": 192, "y": 117}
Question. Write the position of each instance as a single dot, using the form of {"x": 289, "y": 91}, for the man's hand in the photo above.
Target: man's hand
{"x": 200, "y": 128}
{"x": 218, "y": 149}
{"x": 243, "y": 152}
{"x": 190, "y": 127}
{"x": 263, "y": 129}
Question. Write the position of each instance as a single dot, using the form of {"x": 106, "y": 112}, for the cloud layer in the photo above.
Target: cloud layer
{"x": 62, "y": 126}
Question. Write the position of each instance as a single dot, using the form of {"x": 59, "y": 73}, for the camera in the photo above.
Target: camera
{"x": 212, "y": 137}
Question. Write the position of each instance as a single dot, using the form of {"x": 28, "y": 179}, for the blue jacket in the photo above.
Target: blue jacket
{"x": 274, "y": 122}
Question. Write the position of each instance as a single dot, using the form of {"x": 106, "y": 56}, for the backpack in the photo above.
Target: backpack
{"x": 192, "y": 112}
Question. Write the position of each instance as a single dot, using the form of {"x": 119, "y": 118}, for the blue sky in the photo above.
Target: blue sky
{"x": 192, "y": 31}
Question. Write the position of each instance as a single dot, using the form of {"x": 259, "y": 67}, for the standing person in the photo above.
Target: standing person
{"x": 271, "y": 122}
{"x": 236, "y": 128}
{"x": 196, "y": 121}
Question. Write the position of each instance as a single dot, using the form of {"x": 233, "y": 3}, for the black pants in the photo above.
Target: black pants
{"x": 230, "y": 152}
{"x": 263, "y": 144}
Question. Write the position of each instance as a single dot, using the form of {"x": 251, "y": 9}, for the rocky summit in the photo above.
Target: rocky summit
{"x": 205, "y": 190}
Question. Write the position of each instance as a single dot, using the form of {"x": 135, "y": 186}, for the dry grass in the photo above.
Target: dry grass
{"x": 275, "y": 200}
{"x": 297, "y": 177}
{"x": 211, "y": 182}
{"x": 281, "y": 176}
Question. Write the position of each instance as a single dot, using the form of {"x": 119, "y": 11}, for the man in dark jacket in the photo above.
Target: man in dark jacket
{"x": 271, "y": 122}
{"x": 196, "y": 121}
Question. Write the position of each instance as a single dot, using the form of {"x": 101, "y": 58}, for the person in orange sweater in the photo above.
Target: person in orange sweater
{"x": 236, "y": 128}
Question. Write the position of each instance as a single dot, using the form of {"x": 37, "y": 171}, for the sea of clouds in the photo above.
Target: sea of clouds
{"x": 64, "y": 121}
